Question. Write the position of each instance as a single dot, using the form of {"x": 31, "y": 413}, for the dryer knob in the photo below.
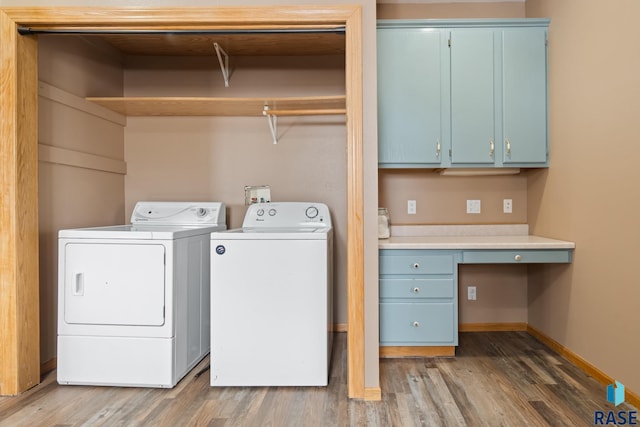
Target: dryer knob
{"x": 201, "y": 212}
{"x": 311, "y": 212}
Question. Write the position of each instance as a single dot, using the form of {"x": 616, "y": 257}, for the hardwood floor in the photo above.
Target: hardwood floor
{"x": 496, "y": 379}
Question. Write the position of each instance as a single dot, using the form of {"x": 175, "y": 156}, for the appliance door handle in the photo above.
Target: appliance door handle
{"x": 78, "y": 285}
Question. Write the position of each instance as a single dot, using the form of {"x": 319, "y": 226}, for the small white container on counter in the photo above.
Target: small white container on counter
{"x": 383, "y": 223}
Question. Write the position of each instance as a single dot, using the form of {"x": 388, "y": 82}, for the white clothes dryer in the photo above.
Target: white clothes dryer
{"x": 133, "y": 300}
{"x": 272, "y": 297}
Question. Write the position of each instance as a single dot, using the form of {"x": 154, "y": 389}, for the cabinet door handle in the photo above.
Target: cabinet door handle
{"x": 416, "y": 324}
{"x": 438, "y": 147}
{"x": 492, "y": 147}
{"x": 416, "y": 266}
{"x": 416, "y": 290}
{"x": 518, "y": 258}
{"x": 508, "y": 147}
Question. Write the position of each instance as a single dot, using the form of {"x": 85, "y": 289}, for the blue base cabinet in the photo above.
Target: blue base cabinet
{"x": 418, "y": 298}
{"x": 418, "y": 294}
{"x": 462, "y": 93}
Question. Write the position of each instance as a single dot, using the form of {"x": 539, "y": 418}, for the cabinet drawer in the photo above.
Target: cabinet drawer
{"x": 515, "y": 257}
{"x": 416, "y": 264}
{"x": 417, "y": 323}
{"x": 416, "y": 288}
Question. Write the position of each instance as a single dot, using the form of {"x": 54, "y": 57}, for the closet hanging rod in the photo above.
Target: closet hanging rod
{"x": 310, "y": 112}
{"x": 107, "y": 31}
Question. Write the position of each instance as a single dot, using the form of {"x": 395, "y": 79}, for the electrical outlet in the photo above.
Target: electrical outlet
{"x": 473, "y": 206}
{"x": 507, "y": 206}
{"x": 471, "y": 293}
{"x": 411, "y": 207}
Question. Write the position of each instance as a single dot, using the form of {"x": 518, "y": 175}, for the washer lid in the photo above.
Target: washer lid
{"x": 300, "y": 233}
{"x": 179, "y": 213}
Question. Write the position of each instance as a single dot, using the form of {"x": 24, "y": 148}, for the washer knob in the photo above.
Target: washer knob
{"x": 260, "y": 212}
{"x": 272, "y": 212}
{"x": 311, "y": 212}
{"x": 201, "y": 212}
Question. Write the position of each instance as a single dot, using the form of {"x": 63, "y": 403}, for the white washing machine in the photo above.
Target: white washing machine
{"x": 133, "y": 300}
{"x": 272, "y": 298}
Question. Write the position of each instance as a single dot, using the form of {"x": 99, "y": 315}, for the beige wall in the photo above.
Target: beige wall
{"x": 79, "y": 195}
{"x": 445, "y": 10}
{"x": 443, "y": 199}
{"x": 502, "y": 292}
{"x": 213, "y": 158}
{"x": 589, "y": 195}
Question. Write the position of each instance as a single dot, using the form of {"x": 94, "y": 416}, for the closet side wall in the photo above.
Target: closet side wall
{"x": 81, "y": 167}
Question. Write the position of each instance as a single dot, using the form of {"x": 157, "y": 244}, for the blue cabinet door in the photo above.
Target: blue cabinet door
{"x": 472, "y": 96}
{"x": 409, "y": 97}
{"x": 524, "y": 95}
{"x": 410, "y": 324}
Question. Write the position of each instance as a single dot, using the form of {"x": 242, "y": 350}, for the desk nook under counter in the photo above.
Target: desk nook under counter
{"x": 418, "y": 283}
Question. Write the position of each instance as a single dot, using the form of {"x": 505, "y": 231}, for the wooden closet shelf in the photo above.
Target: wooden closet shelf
{"x": 200, "y": 106}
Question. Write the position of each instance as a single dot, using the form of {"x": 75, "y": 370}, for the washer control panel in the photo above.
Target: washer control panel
{"x": 287, "y": 215}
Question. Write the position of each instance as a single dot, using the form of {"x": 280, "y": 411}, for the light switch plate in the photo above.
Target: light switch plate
{"x": 411, "y": 207}
{"x": 473, "y": 206}
{"x": 507, "y": 205}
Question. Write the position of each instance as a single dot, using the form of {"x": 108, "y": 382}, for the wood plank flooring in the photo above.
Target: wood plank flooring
{"x": 496, "y": 379}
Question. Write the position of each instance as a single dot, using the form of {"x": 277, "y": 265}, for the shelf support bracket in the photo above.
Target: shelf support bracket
{"x": 224, "y": 64}
{"x": 273, "y": 123}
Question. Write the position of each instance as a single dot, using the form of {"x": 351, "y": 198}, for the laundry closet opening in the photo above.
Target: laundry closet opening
{"x": 174, "y": 127}
{"x": 173, "y": 151}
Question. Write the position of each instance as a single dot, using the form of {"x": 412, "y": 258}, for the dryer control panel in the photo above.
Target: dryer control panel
{"x": 179, "y": 213}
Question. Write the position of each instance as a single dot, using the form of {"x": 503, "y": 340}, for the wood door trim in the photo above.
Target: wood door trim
{"x": 19, "y": 283}
{"x": 18, "y": 182}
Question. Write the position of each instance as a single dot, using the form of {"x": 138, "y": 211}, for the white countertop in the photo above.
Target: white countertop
{"x": 469, "y": 237}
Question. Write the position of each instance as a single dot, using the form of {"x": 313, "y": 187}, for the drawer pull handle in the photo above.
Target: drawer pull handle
{"x": 416, "y": 324}
{"x": 518, "y": 258}
{"x": 416, "y": 290}
{"x": 416, "y": 266}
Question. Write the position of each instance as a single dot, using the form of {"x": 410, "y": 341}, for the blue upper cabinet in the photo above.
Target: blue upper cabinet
{"x": 462, "y": 93}
{"x": 473, "y": 86}
{"x": 410, "y": 105}
{"x": 524, "y": 96}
